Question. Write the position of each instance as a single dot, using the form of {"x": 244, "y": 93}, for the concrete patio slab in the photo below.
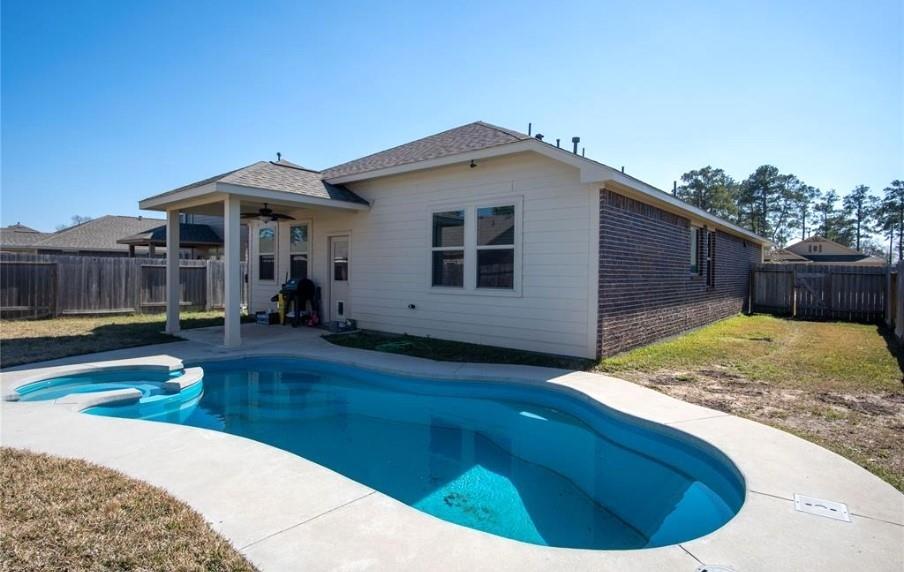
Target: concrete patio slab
{"x": 819, "y": 472}
{"x": 799, "y": 541}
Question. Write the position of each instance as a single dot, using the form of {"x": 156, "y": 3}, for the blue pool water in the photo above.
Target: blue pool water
{"x": 521, "y": 462}
{"x": 150, "y": 383}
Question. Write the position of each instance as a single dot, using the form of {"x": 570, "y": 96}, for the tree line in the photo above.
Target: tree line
{"x": 783, "y": 208}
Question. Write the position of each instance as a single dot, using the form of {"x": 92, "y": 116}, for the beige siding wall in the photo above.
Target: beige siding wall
{"x": 555, "y": 309}
{"x": 822, "y": 247}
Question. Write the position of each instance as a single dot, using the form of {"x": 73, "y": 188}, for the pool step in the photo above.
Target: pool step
{"x": 80, "y": 401}
{"x": 189, "y": 377}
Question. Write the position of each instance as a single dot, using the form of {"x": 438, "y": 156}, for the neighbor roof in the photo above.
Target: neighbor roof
{"x": 470, "y": 137}
{"x": 857, "y": 257}
{"x": 98, "y": 234}
{"x": 20, "y": 235}
{"x": 784, "y": 255}
{"x": 279, "y": 176}
{"x": 189, "y": 235}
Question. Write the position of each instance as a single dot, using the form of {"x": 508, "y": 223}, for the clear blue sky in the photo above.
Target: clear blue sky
{"x": 104, "y": 103}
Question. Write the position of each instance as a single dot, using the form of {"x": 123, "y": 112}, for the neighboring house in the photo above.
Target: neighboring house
{"x": 196, "y": 241}
{"x": 479, "y": 234}
{"x": 113, "y": 235}
{"x": 821, "y": 250}
{"x": 19, "y": 238}
{"x": 97, "y": 237}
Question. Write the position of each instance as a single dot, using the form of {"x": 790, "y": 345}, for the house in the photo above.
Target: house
{"x": 96, "y": 237}
{"x": 820, "y": 250}
{"x": 113, "y": 235}
{"x": 19, "y": 238}
{"x": 479, "y": 234}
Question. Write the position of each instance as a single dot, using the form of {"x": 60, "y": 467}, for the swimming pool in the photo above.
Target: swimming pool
{"x": 523, "y": 462}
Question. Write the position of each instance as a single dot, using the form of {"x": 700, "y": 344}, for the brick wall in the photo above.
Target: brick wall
{"x": 646, "y": 289}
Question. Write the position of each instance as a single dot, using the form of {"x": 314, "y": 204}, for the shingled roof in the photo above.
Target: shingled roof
{"x": 279, "y": 176}
{"x": 100, "y": 234}
{"x": 19, "y": 235}
{"x": 470, "y": 137}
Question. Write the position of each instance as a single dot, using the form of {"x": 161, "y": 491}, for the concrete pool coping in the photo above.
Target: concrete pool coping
{"x": 284, "y": 512}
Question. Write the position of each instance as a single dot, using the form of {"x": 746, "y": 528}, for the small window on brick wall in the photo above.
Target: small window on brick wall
{"x": 711, "y": 260}
{"x": 696, "y": 251}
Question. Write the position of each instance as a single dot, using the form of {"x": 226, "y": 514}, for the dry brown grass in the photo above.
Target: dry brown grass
{"x": 60, "y": 514}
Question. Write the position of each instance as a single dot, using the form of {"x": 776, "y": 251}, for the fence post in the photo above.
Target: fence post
{"x": 793, "y": 290}
{"x": 208, "y": 292}
{"x": 57, "y": 291}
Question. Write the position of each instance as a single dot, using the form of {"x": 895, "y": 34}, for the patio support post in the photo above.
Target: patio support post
{"x": 232, "y": 245}
{"x": 173, "y": 288}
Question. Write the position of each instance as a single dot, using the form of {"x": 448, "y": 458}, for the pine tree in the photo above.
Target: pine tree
{"x": 860, "y": 210}
{"x": 711, "y": 190}
{"x": 892, "y": 215}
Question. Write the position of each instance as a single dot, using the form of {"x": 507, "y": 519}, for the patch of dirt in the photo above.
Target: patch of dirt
{"x": 866, "y": 404}
{"x": 864, "y": 426}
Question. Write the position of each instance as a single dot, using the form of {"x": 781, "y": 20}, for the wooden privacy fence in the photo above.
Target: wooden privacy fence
{"x": 820, "y": 292}
{"x": 896, "y": 301}
{"x": 34, "y": 286}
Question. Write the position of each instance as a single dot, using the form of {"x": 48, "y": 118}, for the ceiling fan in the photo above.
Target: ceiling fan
{"x": 266, "y": 214}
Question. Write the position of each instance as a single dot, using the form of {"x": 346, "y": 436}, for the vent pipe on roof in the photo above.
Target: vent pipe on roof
{"x": 674, "y": 187}
{"x": 622, "y": 168}
{"x": 582, "y": 152}
{"x": 557, "y": 143}
{"x": 529, "y": 127}
{"x": 575, "y": 141}
{"x": 278, "y": 156}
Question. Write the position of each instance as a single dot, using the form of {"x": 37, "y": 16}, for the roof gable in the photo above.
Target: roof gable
{"x": 807, "y": 246}
{"x": 470, "y": 137}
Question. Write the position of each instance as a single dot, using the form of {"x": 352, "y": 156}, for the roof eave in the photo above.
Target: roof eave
{"x": 590, "y": 172}
{"x": 218, "y": 191}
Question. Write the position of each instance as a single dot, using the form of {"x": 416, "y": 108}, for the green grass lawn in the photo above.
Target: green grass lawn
{"x": 839, "y": 385}
{"x": 63, "y": 514}
{"x": 787, "y": 353}
{"x": 26, "y": 341}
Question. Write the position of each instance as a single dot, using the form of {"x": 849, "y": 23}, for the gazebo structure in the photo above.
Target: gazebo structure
{"x": 200, "y": 238}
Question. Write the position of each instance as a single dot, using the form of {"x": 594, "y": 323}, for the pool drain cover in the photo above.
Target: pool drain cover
{"x": 714, "y": 568}
{"x": 821, "y": 507}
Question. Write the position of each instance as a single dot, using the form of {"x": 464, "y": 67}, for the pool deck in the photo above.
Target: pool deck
{"x": 286, "y": 513}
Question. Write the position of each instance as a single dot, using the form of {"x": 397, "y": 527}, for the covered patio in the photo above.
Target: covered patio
{"x": 282, "y": 187}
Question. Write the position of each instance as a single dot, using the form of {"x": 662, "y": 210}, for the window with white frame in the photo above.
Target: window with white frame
{"x": 448, "y": 249}
{"x": 298, "y": 251}
{"x": 266, "y": 250}
{"x": 476, "y": 247}
{"x": 496, "y": 247}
